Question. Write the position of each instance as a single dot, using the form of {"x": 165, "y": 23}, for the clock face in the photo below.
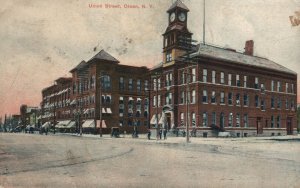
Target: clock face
{"x": 182, "y": 17}
{"x": 172, "y": 17}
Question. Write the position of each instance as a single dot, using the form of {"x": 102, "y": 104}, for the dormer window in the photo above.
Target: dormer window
{"x": 168, "y": 57}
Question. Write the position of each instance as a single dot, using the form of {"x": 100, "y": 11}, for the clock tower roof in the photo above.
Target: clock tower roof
{"x": 178, "y": 4}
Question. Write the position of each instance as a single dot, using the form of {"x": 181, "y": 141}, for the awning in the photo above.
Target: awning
{"x": 108, "y": 110}
{"x": 121, "y": 98}
{"x": 62, "y": 124}
{"x": 71, "y": 125}
{"x": 86, "y": 111}
{"x": 162, "y": 120}
{"x": 103, "y": 124}
{"x": 130, "y": 98}
{"x": 46, "y": 125}
{"x": 103, "y": 111}
{"x": 139, "y": 99}
{"x": 153, "y": 119}
{"x": 73, "y": 102}
{"x": 88, "y": 124}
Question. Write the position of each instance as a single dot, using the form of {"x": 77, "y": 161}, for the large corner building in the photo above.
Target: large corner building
{"x": 212, "y": 89}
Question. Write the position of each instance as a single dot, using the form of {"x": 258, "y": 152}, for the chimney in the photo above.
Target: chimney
{"x": 249, "y": 47}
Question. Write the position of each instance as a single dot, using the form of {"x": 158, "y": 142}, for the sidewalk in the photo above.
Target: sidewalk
{"x": 182, "y": 140}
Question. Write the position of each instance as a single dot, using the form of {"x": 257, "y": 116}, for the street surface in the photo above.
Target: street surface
{"x": 32, "y": 160}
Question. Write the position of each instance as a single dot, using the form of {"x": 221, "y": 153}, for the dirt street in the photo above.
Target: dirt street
{"x": 31, "y": 160}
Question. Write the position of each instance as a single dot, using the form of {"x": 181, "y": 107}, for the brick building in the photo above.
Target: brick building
{"x": 99, "y": 89}
{"x": 214, "y": 89}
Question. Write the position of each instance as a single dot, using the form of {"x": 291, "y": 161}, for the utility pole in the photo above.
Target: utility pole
{"x": 157, "y": 126}
{"x": 100, "y": 104}
{"x": 187, "y": 105}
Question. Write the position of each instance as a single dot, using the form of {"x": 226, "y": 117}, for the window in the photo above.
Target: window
{"x": 278, "y": 121}
{"x": 158, "y": 83}
{"x": 182, "y": 77}
{"x": 214, "y": 118}
{"x": 278, "y": 86}
{"x": 222, "y": 120}
{"x": 106, "y": 82}
{"x": 278, "y": 103}
{"x": 168, "y": 79}
{"x": 272, "y": 102}
{"x": 154, "y": 84}
{"x": 168, "y": 98}
{"x": 245, "y": 120}
{"x": 204, "y": 119}
{"x": 229, "y": 79}
{"x": 262, "y": 102}
{"x": 204, "y": 75}
{"x": 146, "y": 85}
{"x": 292, "y": 88}
{"x": 121, "y": 83}
{"x": 168, "y": 57}
{"x": 237, "y": 99}
{"x": 262, "y": 88}
{"x": 256, "y": 101}
{"x": 238, "y": 120}
{"x": 237, "y": 79}
{"x": 286, "y": 104}
{"x": 154, "y": 101}
{"x": 272, "y": 85}
{"x": 204, "y": 97}
{"x": 213, "y": 97}
{"x": 193, "y": 119}
{"x": 138, "y": 85}
{"x": 229, "y": 98}
{"x": 286, "y": 87}
{"x": 272, "y": 121}
{"x": 222, "y": 95}
{"x": 230, "y": 118}
{"x": 182, "y": 119}
{"x": 158, "y": 100}
{"x": 245, "y": 81}
{"x": 194, "y": 75}
{"x": 292, "y": 104}
{"x": 213, "y": 77}
{"x": 256, "y": 83}
{"x": 222, "y": 80}
{"x": 246, "y": 100}
{"x": 130, "y": 84}
{"x": 193, "y": 97}
{"x": 182, "y": 97}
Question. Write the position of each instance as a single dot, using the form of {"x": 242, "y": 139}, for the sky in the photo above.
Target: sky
{"x": 43, "y": 40}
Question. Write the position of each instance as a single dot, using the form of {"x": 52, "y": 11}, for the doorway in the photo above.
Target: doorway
{"x": 259, "y": 125}
{"x": 289, "y": 126}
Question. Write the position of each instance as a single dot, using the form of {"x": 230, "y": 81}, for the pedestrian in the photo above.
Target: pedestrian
{"x": 160, "y": 132}
{"x": 149, "y": 134}
{"x": 165, "y": 134}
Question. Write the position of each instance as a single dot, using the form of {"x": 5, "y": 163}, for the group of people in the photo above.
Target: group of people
{"x": 160, "y": 133}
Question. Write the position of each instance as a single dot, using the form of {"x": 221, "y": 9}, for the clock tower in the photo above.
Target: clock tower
{"x": 177, "y": 37}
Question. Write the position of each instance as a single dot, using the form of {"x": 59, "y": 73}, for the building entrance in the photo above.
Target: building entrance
{"x": 289, "y": 126}
{"x": 259, "y": 126}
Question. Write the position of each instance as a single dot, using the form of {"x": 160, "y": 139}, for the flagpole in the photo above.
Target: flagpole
{"x": 203, "y": 21}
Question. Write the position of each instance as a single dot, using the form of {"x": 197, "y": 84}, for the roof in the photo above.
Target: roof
{"x": 103, "y": 55}
{"x": 236, "y": 57}
{"x": 79, "y": 66}
{"x": 178, "y": 4}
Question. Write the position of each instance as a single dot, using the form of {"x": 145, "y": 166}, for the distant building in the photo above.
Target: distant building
{"x": 29, "y": 116}
{"x": 213, "y": 89}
